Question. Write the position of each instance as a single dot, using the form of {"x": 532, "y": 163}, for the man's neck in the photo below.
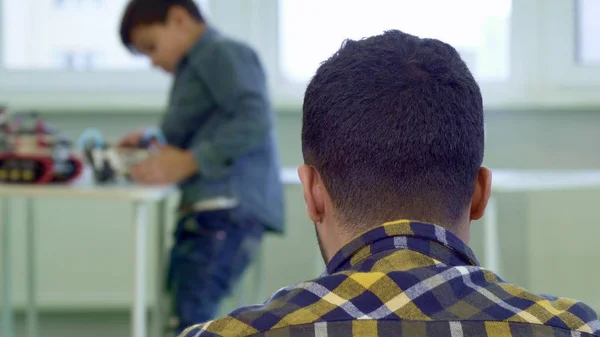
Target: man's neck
{"x": 337, "y": 241}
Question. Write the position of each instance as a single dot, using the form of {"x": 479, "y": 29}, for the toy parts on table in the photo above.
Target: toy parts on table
{"x": 111, "y": 162}
{"x": 31, "y": 152}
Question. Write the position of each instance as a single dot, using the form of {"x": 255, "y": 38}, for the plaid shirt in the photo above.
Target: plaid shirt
{"x": 406, "y": 279}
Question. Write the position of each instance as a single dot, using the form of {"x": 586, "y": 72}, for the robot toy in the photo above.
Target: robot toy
{"x": 32, "y": 153}
{"x": 110, "y": 162}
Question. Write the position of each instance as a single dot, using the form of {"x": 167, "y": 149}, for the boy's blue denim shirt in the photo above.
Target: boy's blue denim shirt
{"x": 219, "y": 108}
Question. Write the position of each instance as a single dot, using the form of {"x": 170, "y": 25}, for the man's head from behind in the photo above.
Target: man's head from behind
{"x": 392, "y": 129}
{"x": 163, "y": 30}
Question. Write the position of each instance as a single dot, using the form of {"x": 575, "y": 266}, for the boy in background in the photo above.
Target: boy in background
{"x": 220, "y": 151}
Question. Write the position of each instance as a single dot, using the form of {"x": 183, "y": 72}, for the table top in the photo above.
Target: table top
{"x": 85, "y": 187}
{"x": 502, "y": 181}
{"x": 116, "y": 192}
{"x": 289, "y": 176}
{"x": 544, "y": 180}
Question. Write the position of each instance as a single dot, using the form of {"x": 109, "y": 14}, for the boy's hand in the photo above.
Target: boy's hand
{"x": 169, "y": 166}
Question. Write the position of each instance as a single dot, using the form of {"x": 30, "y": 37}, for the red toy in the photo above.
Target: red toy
{"x": 34, "y": 154}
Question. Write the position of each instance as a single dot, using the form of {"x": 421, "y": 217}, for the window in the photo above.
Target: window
{"x": 66, "y": 35}
{"x": 524, "y": 53}
{"x": 67, "y": 54}
{"x": 478, "y": 29}
{"x": 588, "y": 26}
{"x": 570, "y": 54}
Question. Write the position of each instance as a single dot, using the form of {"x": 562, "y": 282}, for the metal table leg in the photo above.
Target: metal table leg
{"x": 159, "y": 307}
{"x": 139, "y": 322}
{"x": 260, "y": 275}
{"x": 32, "y": 314}
{"x": 7, "y": 310}
{"x": 491, "y": 237}
{"x": 241, "y": 292}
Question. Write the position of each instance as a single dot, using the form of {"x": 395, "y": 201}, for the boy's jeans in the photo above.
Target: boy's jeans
{"x": 211, "y": 251}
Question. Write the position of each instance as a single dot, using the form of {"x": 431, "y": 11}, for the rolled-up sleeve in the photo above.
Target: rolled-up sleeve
{"x": 236, "y": 81}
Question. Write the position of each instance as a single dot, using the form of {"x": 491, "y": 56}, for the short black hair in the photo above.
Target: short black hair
{"x": 147, "y": 12}
{"x": 394, "y": 125}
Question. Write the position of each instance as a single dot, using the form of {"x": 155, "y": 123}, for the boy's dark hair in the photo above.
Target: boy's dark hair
{"x": 394, "y": 124}
{"x": 147, "y": 12}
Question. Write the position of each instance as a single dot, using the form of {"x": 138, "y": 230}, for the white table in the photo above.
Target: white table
{"x": 511, "y": 181}
{"x": 137, "y": 195}
{"x": 502, "y": 181}
{"x": 527, "y": 181}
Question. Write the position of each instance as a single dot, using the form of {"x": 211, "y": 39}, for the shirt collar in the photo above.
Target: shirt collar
{"x": 429, "y": 239}
{"x": 207, "y": 36}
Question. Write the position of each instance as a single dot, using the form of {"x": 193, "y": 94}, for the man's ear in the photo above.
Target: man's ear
{"x": 481, "y": 193}
{"x": 313, "y": 191}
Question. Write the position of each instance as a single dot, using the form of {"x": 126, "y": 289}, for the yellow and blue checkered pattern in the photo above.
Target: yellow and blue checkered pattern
{"x": 406, "y": 278}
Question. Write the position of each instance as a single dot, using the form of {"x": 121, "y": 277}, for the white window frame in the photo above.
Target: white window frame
{"x": 107, "y": 90}
{"x": 502, "y": 94}
{"x": 560, "y": 41}
{"x": 538, "y": 28}
{"x": 536, "y": 80}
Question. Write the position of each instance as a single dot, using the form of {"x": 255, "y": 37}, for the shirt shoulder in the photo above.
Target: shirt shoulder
{"x": 558, "y": 312}
{"x": 465, "y": 296}
{"x": 230, "y": 70}
{"x": 223, "y": 51}
{"x": 294, "y": 305}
